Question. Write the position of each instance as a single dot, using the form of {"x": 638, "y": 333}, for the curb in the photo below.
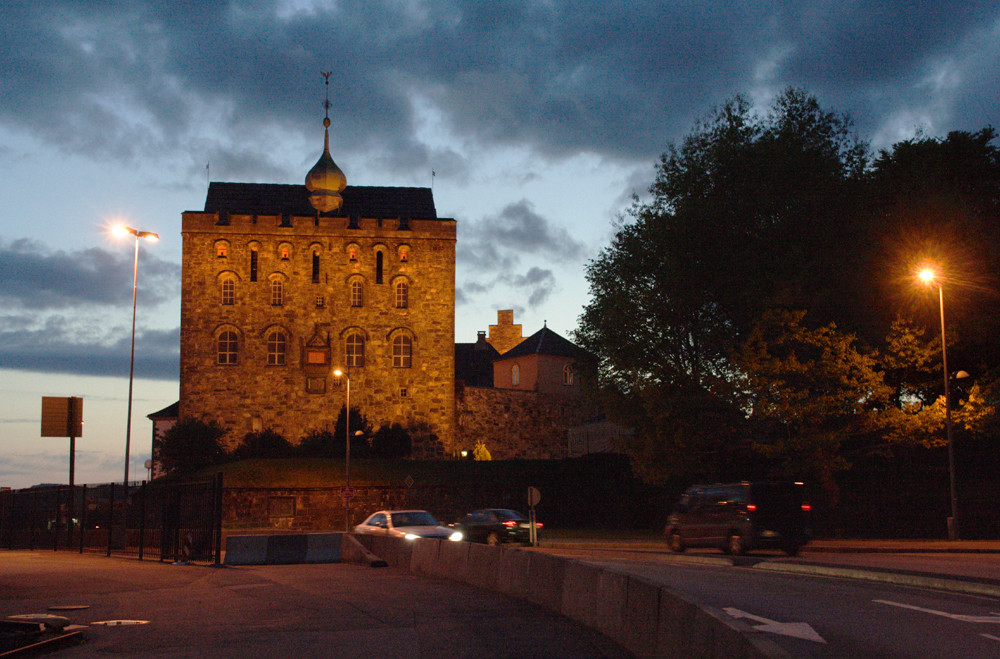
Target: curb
{"x": 919, "y": 579}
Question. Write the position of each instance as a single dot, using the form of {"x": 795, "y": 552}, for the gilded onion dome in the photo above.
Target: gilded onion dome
{"x": 325, "y": 181}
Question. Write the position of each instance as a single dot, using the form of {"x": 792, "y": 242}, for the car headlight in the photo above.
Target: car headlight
{"x": 456, "y": 536}
{"x": 411, "y": 536}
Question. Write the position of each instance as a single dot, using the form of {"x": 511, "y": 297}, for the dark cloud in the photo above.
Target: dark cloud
{"x": 144, "y": 79}
{"x": 38, "y": 278}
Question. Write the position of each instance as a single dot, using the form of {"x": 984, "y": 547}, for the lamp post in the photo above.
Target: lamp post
{"x": 347, "y": 454}
{"x": 152, "y": 237}
{"x": 928, "y": 276}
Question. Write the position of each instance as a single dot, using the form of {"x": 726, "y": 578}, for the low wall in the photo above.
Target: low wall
{"x": 646, "y": 619}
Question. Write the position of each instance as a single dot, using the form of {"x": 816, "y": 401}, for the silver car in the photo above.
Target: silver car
{"x": 408, "y": 524}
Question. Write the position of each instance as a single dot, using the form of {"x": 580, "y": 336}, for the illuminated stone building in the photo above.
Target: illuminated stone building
{"x": 283, "y": 284}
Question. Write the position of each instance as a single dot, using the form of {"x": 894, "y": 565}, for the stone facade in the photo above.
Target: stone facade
{"x": 519, "y": 424}
{"x": 273, "y": 301}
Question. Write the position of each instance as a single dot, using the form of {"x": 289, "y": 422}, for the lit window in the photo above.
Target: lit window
{"x": 277, "y": 293}
{"x": 352, "y": 254}
{"x": 404, "y": 255}
{"x": 228, "y": 291}
{"x": 515, "y": 375}
{"x": 285, "y": 253}
{"x": 357, "y": 291}
{"x": 227, "y": 348}
{"x": 220, "y": 250}
{"x": 568, "y": 375}
{"x": 402, "y": 352}
{"x": 355, "y": 351}
{"x": 276, "y": 347}
{"x": 402, "y": 295}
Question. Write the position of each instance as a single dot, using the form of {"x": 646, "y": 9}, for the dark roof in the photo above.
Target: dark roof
{"x": 282, "y": 199}
{"x": 543, "y": 342}
{"x": 168, "y": 412}
{"x": 474, "y": 363}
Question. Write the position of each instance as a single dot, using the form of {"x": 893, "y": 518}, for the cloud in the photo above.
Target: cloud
{"x": 37, "y": 278}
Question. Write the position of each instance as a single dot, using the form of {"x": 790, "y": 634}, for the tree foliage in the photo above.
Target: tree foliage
{"x": 191, "y": 444}
{"x": 266, "y": 443}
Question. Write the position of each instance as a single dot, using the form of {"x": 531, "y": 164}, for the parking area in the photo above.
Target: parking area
{"x": 321, "y": 610}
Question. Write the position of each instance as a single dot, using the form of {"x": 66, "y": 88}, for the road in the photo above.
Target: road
{"x": 331, "y": 610}
{"x": 817, "y": 616}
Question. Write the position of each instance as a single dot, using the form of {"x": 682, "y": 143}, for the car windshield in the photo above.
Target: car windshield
{"x": 415, "y": 518}
{"x": 504, "y": 515}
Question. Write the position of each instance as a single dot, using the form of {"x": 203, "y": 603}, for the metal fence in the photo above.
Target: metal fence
{"x": 176, "y": 521}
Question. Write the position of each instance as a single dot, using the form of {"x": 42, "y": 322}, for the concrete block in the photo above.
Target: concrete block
{"x": 610, "y": 603}
{"x": 676, "y": 633}
{"x": 286, "y": 549}
{"x": 641, "y": 615}
{"x": 453, "y": 560}
{"x": 424, "y": 555}
{"x": 352, "y": 551}
{"x": 512, "y": 572}
{"x": 545, "y": 579}
{"x": 323, "y": 547}
{"x": 483, "y": 564}
{"x": 579, "y": 596}
{"x": 246, "y": 550}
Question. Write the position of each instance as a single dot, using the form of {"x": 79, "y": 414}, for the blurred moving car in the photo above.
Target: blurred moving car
{"x": 496, "y": 525}
{"x": 740, "y": 517}
{"x": 409, "y": 524}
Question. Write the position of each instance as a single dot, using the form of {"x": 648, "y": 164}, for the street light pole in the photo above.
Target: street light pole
{"x": 928, "y": 276}
{"x": 152, "y": 237}
{"x": 347, "y": 454}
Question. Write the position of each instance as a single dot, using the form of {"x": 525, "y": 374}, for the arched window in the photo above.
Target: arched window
{"x": 378, "y": 267}
{"x": 277, "y": 293}
{"x": 515, "y": 375}
{"x": 355, "y": 351}
{"x": 227, "y": 349}
{"x": 402, "y": 295}
{"x": 221, "y": 249}
{"x": 276, "y": 349}
{"x": 404, "y": 254}
{"x": 568, "y": 375}
{"x": 357, "y": 293}
{"x": 228, "y": 291}
{"x": 352, "y": 254}
{"x": 315, "y": 277}
{"x": 285, "y": 252}
{"x": 402, "y": 352}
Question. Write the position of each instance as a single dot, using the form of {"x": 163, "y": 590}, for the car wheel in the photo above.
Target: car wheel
{"x": 675, "y": 542}
{"x": 735, "y": 545}
{"x": 493, "y": 538}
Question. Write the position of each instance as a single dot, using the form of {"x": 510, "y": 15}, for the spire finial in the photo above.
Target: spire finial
{"x": 326, "y": 104}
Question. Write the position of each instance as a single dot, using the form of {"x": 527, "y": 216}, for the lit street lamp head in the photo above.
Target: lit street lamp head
{"x": 927, "y": 275}
{"x": 122, "y": 230}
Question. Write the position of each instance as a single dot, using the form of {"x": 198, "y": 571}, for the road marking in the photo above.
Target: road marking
{"x": 991, "y": 637}
{"x": 954, "y": 616}
{"x": 794, "y": 629}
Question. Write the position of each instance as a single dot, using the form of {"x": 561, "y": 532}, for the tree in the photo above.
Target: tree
{"x": 191, "y": 444}
{"x": 332, "y": 444}
{"x": 263, "y": 444}
{"x": 392, "y": 441}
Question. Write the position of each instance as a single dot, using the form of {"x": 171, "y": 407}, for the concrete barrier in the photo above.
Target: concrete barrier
{"x": 283, "y": 549}
{"x": 353, "y": 551}
{"x": 647, "y": 619}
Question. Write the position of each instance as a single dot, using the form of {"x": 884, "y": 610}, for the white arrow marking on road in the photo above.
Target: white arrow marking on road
{"x": 954, "y": 616}
{"x": 795, "y": 629}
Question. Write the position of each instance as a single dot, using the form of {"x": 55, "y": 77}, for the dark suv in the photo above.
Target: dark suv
{"x": 739, "y": 517}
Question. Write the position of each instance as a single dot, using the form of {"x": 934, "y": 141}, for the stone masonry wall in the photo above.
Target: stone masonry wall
{"x": 518, "y": 424}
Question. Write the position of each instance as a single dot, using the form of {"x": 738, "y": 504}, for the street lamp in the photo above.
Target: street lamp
{"x": 347, "y": 493}
{"x": 929, "y": 277}
{"x": 122, "y": 230}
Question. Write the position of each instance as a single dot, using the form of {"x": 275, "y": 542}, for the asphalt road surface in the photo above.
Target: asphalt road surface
{"x": 333, "y": 610}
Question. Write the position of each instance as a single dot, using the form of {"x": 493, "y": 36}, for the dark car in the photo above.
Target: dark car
{"x": 740, "y": 517}
{"x": 496, "y": 525}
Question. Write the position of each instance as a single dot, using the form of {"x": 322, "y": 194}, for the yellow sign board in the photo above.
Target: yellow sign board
{"x": 62, "y": 417}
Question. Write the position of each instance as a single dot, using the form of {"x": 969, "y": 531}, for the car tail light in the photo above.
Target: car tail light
{"x": 538, "y": 525}
{"x": 510, "y": 523}
{"x": 806, "y": 507}
{"x": 751, "y": 507}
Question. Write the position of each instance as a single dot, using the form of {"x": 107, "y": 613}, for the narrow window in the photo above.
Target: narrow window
{"x": 515, "y": 375}
{"x": 402, "y": 392}
{"x": 378, "y": 267}
{"x": 320, "y": 302}
{"x": 228, "y": 291}
{"x": 402, "y": 295}
{"x": 357, "y": 291}
{"x": 277, "y": 293}
{"x": 352, "y": 254}
{"x": 402, "y": 352}
{"x": 315, "y": 267}
{"x": 285, "y": 254}
{"x": 355, "y": 351}
{"x": 227, "y": 348}
{"x": 404, "y": 255}
{"x": 220, "y": 250}
{"x": 276, "y": 347}
{"x": 568, "y": 375}
{"x": 253, "y": 265}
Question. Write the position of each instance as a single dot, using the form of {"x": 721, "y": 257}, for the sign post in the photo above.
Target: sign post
{"x": 534, "y": 496}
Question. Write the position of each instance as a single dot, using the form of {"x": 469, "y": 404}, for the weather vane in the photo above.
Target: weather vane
{"x": 326, "y": 104}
